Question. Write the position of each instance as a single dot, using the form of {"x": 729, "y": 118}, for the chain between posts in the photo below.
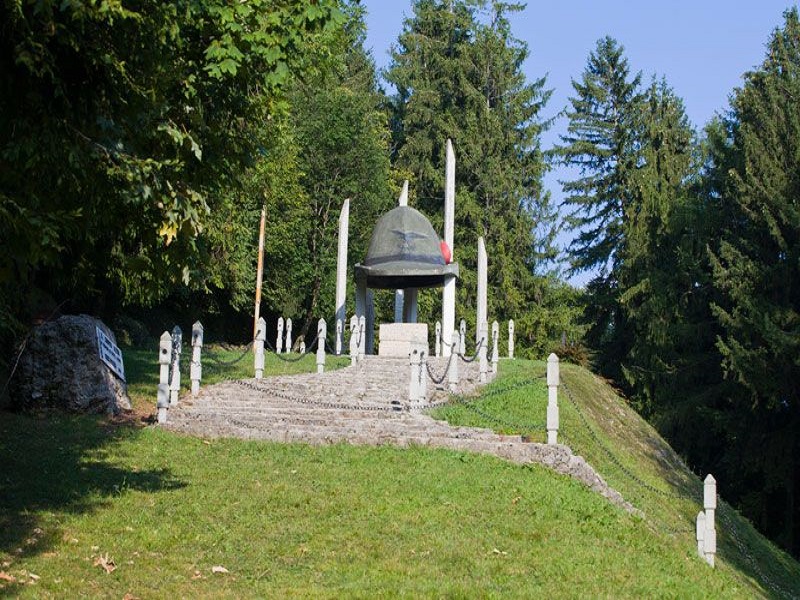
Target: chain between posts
{"x": 290, "y": 360}
{"x": 438, "y": 380}
{"x": 216, "y": 362}
{"x": 396, "y": 406}
{"x": 474, "y": 356}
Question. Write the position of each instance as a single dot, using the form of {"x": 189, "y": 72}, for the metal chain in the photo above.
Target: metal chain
{"x": 396, "y": 406}
{"x": 625, "y": 470}
{"x": 290, "y": 360}
{"x": 217, "y": 362}
{"x": 437, "y": 380}
{"x": 474, "y": 356}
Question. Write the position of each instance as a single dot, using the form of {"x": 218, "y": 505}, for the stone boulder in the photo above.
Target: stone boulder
{"x": 60, "y": 367}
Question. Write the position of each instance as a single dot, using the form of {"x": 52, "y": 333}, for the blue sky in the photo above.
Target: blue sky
{"x": 702, "y": 47}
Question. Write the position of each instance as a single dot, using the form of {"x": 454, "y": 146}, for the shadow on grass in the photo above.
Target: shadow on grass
{"x": 59, "y": 464}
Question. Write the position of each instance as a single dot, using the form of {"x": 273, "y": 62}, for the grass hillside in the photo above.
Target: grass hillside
{"x": 90, "y": 508}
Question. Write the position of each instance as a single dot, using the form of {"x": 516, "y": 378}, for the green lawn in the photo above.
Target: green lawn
{"x": 342, "y": 521}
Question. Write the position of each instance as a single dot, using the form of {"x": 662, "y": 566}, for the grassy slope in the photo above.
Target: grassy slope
{"x": 289, "y": 520}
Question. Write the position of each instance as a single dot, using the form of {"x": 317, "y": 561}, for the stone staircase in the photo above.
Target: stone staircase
{"x": 365, "y": 404}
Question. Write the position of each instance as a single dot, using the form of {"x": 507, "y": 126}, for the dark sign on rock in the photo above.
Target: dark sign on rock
{"x": 72, "y": 363}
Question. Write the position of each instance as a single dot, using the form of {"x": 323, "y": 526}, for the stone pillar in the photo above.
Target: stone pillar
{"x": 288, "y": 335}
{"x": 437, "y": 342}
{"x": 196, "y": 369}
{"x": 700, "y": 532}
{"x": 553, "y": 380}
{"x": 483, "y": 351}
{"x": 353, "y": 340}
{"x": 482, "y": 287}
{"x": 258, "y": 347}
{"x": 279, "y": 338}
{"x": 710, "y": 506}
{"x": 452, "y": 372}
{"x": 511, "y": 338}
{"x": 322, "y": 333}
{"x": 495, "y": 350}
{"x": 362, "y": 336}
{"x": 175, "y": 368}
{"x": 413, "y": 383}
{"x": 422, "y": 391}
{"x": 341, "y": 270}
{"x": 302, "y": 346}
{"x": 462, "y": 330}
{"x": 410, "y": 296}
{"x": 370, "y": 326}
{"x": 164, "y": 360}
{"x": 339, "y": 335}
{"x": 398, "y": 306}
{"x": 449, "y": 290}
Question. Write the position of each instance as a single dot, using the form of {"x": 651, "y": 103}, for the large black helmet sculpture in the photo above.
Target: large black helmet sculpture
{"x": 404, "y": 252}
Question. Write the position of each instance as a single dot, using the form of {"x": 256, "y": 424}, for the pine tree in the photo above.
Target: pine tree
{"x": 601, "y": 144}
{"x": 458, "y": 73}
{"x": 757, "y": 270}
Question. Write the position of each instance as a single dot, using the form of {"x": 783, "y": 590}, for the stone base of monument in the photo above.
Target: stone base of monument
{"x": 65, "y": 364}
{"x": 397, "y": 339}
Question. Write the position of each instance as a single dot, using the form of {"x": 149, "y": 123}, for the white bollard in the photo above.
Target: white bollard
{"x": 196, "y": 368}
{"x": 362, "y": 336}
{"x": 452, "y": 373}
{"x": 164, "y": 360}
{"x": 339, "y": 334}
{"x": 422, "y": 390}
{"x": 511, "y": 338}
{"x": 553, "y": 381}
{"x": 710, "y": 505}
{"x": 279, "y": 338}
{"x": 288, "y": 335}
{"x": 495, "y": 349}
{"x": 302, "y": 346}
{"x": 700, "y": 533}
{"x": 437, "y": 342}
{"x": 413, "y": 384}
{"x": 258, "y": 347}
{"x": 353, "y": 341}
{"x": 175, "y": 375}
{"x": 322, "y": 334}
{"x": 483, "y": 351}
{"x": 462, "y": 331}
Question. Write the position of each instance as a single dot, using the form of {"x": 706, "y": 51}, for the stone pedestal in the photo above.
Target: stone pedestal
{"x": 397, "y": 339}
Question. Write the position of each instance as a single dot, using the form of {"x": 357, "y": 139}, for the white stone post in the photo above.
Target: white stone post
{"x": 288, "y": 335}
{"x": 495, "y": 350}
{"x": 482, "y": 311}
{"x": 449, "y": 289}
{"x": 553, "y": 380}
{"x": 452, "y": 373}
{"x": 164, "y": 360}
{"x": 196, "y": 369}
{"x": 483, "y": 341}
{"x": 353, "y": 340}
{"x": 413, "y": 384}
{"x": 322, "y": 334}
{"x": 437, "y": 343}
{"x": 710, "y": 506}
{"x": 302, "y": 346}
{"x": 362, "y": 336}
{"x": 700, "y": 532}
{"x": 462, "y": 330}
{"x": 511, "y": 338}
{"x": 423, "y": 374}
{"x": 258, "y": 348}
{"x": 279, "y": 338}
{"x": 339, "y": 336}
{"x": 341, "y": 272}
{"x": 175, "y": 379}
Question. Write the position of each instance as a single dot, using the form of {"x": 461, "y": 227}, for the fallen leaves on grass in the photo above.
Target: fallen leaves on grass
{"x": 219, "y": 569}
{"x": 499, "y": 552}
{"x": 106, "y": 563}
{"x": 7, "y": 577}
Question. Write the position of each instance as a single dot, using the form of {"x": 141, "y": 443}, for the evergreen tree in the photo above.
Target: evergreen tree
{"x": 757, "y": 270}
{"x": 458, "y": 73}
{"x": 602, "y": 144}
